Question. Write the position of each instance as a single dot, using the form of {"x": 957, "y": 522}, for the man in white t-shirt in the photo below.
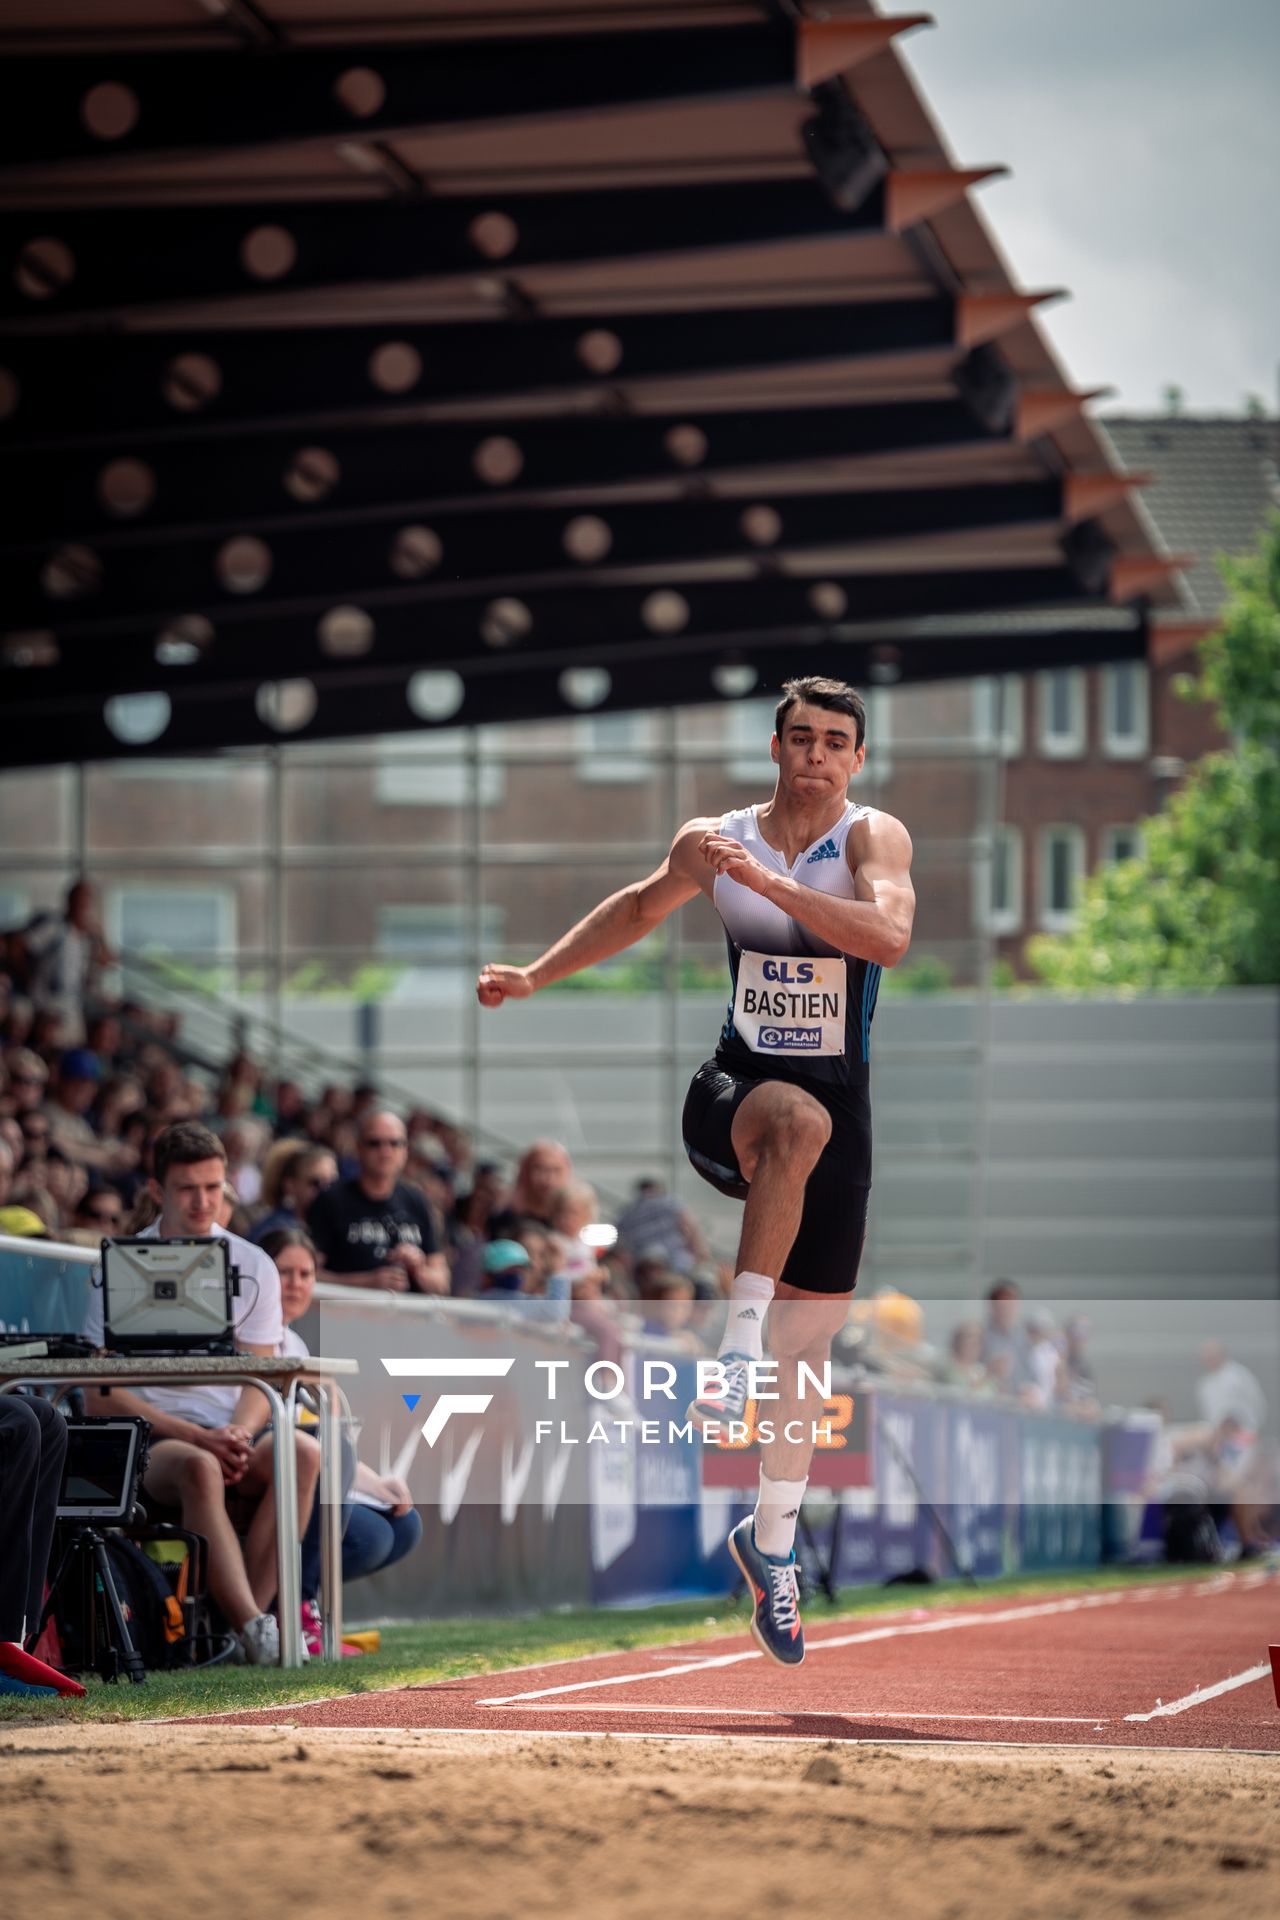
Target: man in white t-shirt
{"x": 202, "y": 1438}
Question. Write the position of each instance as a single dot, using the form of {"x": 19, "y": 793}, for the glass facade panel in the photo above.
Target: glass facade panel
{"x": 197, "y": 809}
{"x": 37, "y": 811}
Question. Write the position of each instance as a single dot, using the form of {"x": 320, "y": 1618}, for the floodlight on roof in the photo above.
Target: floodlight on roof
{"x": 846, "y": 155}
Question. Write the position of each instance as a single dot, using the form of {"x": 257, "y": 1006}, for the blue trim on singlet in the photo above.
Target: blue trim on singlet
{"x": 728, "y": 1031}
{"x": 870, "y": 991}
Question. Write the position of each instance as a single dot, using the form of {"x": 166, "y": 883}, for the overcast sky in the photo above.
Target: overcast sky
{"x": 1144, "y": 138}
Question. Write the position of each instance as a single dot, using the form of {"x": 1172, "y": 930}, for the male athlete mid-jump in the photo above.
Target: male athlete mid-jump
{"x": 816, "y": 898}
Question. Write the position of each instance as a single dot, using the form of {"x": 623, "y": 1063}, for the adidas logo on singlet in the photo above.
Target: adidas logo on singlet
{"x": 827, "y": 851}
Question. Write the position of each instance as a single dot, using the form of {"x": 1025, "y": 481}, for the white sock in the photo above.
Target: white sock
{"x": 777, "y": 1510}
{"x": 749, "y": 1296}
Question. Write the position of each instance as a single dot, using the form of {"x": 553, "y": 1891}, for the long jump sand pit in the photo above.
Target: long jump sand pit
{"x": 232, "y": 1823}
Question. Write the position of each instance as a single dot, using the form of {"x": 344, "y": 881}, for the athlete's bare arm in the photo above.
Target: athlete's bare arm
{"x": 618, "y": 922}
{"x": 875, "y": 924}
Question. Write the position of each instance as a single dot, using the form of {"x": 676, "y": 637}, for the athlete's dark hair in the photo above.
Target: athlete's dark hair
{"x": 812, "y": 690}
{"x": 184, "y": 1144}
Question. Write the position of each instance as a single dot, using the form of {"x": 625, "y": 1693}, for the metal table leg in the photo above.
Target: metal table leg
{"x": 331, "y": 1400}
{"x": 284, "y": 1475}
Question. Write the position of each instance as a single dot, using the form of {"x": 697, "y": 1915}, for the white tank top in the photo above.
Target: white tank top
{"x": 755, "y": 926}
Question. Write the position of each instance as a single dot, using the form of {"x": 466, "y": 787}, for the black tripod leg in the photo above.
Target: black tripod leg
{"x": 46, "y": 1612}
{"x": 119, "y": 1652}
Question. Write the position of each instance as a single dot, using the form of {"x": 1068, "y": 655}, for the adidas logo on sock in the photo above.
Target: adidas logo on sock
{"x": 793, "y": 1515}
{"x": 748, "y": 1313}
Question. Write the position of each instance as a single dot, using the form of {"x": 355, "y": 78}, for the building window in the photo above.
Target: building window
{"x": 1126, "y": 707}
{"x": 998, "y": 884}
{"x": 191, "y": 921}
{"x": 412, "y": 930}
{"x": 433, "y": 770}
{"x": 1121, "y": 843}
{"x": 1062, "y": 713}
{"x": 997, "y": 713}
{"x": 749, "y": 729}
{"x": 879, "y": 761}
{"x": 15, "y": 908}
{"x": 615, "y": 748}
{"x": 1061, "y": 877}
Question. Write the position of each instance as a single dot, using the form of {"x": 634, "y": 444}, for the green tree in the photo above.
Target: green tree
{"x": 1200, "y": 908}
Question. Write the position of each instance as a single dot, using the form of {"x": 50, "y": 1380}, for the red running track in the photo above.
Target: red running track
{"x": 1142, "y": 1666}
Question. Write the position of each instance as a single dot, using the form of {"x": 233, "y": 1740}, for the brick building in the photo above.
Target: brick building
{"x": 1088, "y": 754}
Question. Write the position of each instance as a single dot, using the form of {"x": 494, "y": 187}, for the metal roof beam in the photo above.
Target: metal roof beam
{"x": 585, "y": 623}
{"x": 229, "y": 479}
{"x": 176, "y": 101}
{"x": 83, "y": 386}
{"x": 121, "y": 258}
{"x": 348, "y": 556}
{"x": 366, "y": 701}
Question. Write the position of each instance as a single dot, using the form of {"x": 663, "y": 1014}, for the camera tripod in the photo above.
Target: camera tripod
{"x": 106, "y": 1641}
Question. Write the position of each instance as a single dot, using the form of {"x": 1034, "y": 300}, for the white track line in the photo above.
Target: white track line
{"x": 947, "y": 1624}
{"x": 1202, "y": 1694}
{"x": 832, "y": 1713}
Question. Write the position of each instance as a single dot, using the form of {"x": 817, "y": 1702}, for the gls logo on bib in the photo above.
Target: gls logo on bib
{"x": 790, "y": 1006}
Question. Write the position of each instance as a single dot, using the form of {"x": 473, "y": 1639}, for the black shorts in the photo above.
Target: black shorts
{"x": 833, "y": 1226}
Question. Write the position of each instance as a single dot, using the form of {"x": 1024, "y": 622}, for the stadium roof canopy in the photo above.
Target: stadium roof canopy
{"x": 425, "y": 362}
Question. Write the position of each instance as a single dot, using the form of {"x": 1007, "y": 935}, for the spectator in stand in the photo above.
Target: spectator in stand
{"x": 290, "y": 1108}
{"x": 66, "y": 1183}
{"x": 668, "y": 1309}
{"x": 240, "y": 1094}
{"x": 116, "y": 1099}
{"x": 656, "y": 1219}
{"x": 964, "y": 1363}
{"x": 372, "y": 1230}
{"x": 507, "y": 1268}
{"x": 63, "y": 954}
{"x": 380, "y": 1524}
{"x": 18, "y": 1021}
{"x": 469, "y": 1228}
{"x": 573, "y": 1209}
{"x": 1043, "y": 1361}
{"x": 246, "y": 1142}
{"x": 37, "y": 1136}
{"x": 1079, "y": 1389}
{"x": 543, "y": 1170}
{"x": 1227, "y": 1390}
{"x": 1004, "y": 1341}
{"x": 28, "y": 1079}
{"x": 101, "y": 1212}
{"x": 67, "y": 1109}
{"x": 293, "y": 1175}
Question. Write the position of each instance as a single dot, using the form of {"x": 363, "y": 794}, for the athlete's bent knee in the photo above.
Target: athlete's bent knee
{"x": 799, "y": 1130}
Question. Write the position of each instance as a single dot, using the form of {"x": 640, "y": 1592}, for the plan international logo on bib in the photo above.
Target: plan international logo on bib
{"x": 827, "y": 851}
{"x": 790, "y": 1039}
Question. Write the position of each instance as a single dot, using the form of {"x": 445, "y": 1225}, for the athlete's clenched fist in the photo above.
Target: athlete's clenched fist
{"x": 730, "y": 857}
{"x": 497, "y": 984}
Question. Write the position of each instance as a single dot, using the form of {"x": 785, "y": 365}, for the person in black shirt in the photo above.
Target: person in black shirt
{"x": 373, "y": 1230}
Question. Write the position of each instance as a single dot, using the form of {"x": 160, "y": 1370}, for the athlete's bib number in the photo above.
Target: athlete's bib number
{"x": 790, "y": 1005}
